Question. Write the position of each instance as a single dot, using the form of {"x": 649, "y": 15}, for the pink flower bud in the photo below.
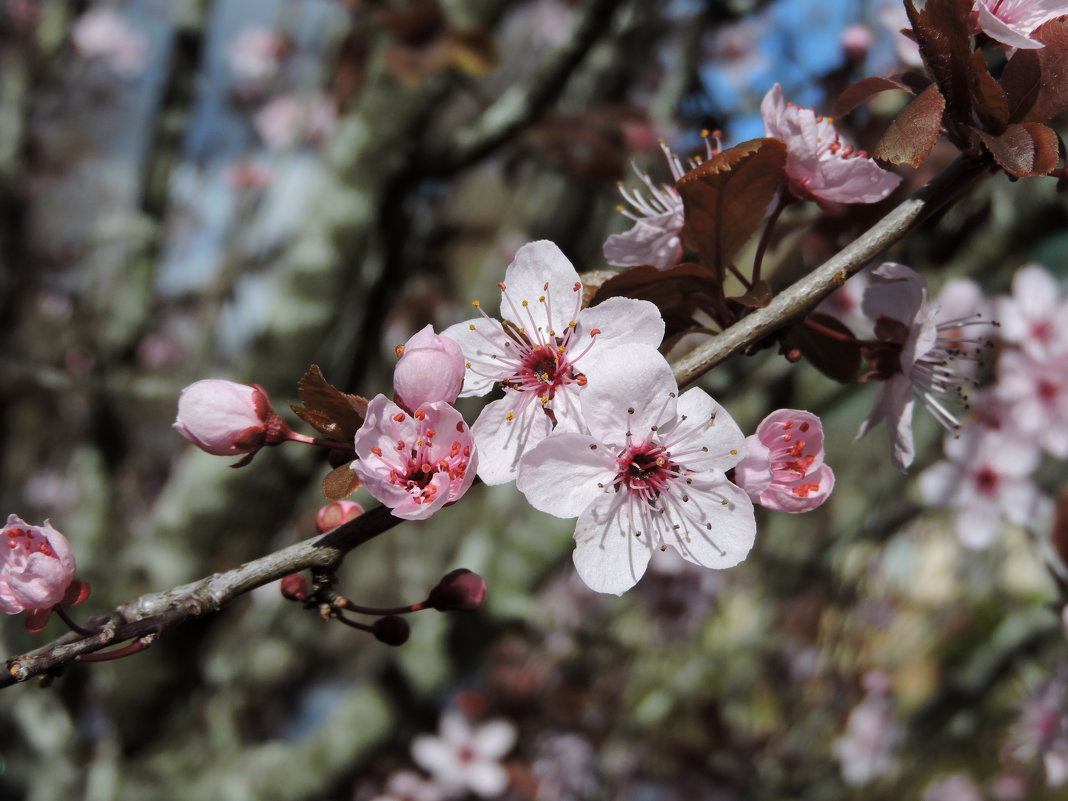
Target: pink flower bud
{"x": 430, "y": 369}
{"x": 335, "y": 513}
{"x": 226, "y": 419}
{"x": 783, "y": 467}
{"x": 36, "y": 566}
{"x": 460, "y": 590}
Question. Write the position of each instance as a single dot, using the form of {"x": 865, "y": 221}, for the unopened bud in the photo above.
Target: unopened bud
{"x": 295, "y": 587}
{"x": 227, "y": 419}
{"x": 334, "y": 514}
{"x": 392, "y": 630}
{"x": 430, "y": 370}
{"x": 460, "y": 590}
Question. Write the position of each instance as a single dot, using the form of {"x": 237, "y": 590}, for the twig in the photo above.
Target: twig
{"x": 803, "y": 296}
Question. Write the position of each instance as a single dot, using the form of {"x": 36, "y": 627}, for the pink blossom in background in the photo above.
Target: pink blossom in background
{"x": 892, "y": 17}
{"x": 819, "y": 165}
{"x": 955, "y": 787}
{"x": 658, "y": 219}
{"x": 1035, "y": 316}
{"x": 289, "y": 120}
{"x": 407, "y": 785}
{"x": 430, "y": 369}
{"x": 538, "y": 354}
{"x": 225, "y": 418}
{"x": 649, "y": 474}
{"x": 1035, "y": 393}
{"x": 1040, "y": 733}
{"x": 466, "y": 757}
{"x": 986, "y": 480}
{"x": 36, "y": 568}
{"x": 867, "y": 749}
{"x": 103, "y": 33}
{"x": 255, "y": 56}
{"x": 414, "y": 464}
{"x": 856, "y": 40}
{"x": 1012, "y": 22}
{"x": 922, "y": 356}
{"x": 783, "y": 467}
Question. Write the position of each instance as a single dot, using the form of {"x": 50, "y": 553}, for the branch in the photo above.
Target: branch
{"x": 805, "y": 295}
{"x": 522, "y": 103}
{"x": 151, "y": 614}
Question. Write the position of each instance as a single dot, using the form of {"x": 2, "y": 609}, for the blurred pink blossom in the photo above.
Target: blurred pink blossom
{"x": 1012, "y": 22}
{"x": 289, "y": 120}
{"x": 255, "y": 56}
{"x": 1035, "y": 393}
{"x": 102, "y": 33}
{"x": 466, "y": 757}
{"x": 407, "y": 785}
{"x": 867, "y": 750}
{"x": 783, "y": 467}
{"x": 1035, "y": 316}
{"x": 36, "y": 569}
{"x": 955, "y": 787}
{"x": 819, "y": 166}
{"x": 893, "y": 17}
{"x": 430, "y": 369}
{"x": 414, "y": 463}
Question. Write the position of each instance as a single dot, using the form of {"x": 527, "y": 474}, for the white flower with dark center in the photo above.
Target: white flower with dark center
{"x": 650, "y": 474}
{"x": 538, "y": 354}
{"x": 467, "y": 757}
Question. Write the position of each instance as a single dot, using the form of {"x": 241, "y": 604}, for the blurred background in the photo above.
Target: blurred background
{"x": 241, "y": 188}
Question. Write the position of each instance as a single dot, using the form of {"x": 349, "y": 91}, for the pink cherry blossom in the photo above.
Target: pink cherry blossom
{"x": 407, "y": 785}
{"x": 466, "y": 757}
{"x": 538, "y": 354}
{"x": 658, "y": 219}
{"x": 1041, "y": 731}
{"x": 102, "y": 33}
{"x": 289, "y": 120}
{"x": 36, "y": 567}
{"x": 955, "y": 787}
{"x": 783, "y": 467}
{"x": 986, "y": 480}
{"x": 649, "y": 474}
{"x": 919, "y": 355}
{"x": 867, "y": 749}
{"x": 1035, "y": 316}
{"x": 431, "y": 369}
{"x": 1036, "y": 394}
{"x": 819, "y": 165}
{"x": 225, "y": 418}
{"x": 255, "y": 56}
{"x": 1012, "y": 22}
{"x": 414, "y": 463}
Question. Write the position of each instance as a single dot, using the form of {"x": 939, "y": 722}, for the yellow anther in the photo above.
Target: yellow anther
{"x": 475, "y": 303}
{"x": 471, "y": 326}
{"x": 509, "y": 417}
{"x": 524, "y": 303}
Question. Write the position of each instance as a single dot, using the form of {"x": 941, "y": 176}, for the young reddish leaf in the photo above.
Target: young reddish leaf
{"x": 340, "y": 483}
{"x": 725, "y": 199}
{"x": 334, "y": 413}
{"x": 676, "y": 291}
{"x": 1024, "y": 150}
{"x": 592, "y": 281}
{"x": 828, "y": 345}
{"x": 864, "y": 90}
{"x": 1036, "y": 81}
{"x": 991, "y": 102}
{"x": 758, "y": 296}
{"x": 911, "y": 136}
{"x": 942, "y": 32}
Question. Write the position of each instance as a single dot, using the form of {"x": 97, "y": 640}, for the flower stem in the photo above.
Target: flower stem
{"x": 66, "y": 618}
{"x": 765, "y": 238}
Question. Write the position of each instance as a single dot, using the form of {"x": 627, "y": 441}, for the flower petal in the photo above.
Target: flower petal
{"x": 561, "y": 475}
{"x": 502, "y": 441}
{"x": 608, "y": 556}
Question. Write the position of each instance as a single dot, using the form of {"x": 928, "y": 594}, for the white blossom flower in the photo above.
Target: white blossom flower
{"x": 538, "y": 354}
{"x": 467, "y": 757}
{"x": 1012, "y": 22}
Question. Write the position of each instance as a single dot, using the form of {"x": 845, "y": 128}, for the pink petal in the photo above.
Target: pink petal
{"x": 561, "y": 475}
{"x": 607, "y": 556}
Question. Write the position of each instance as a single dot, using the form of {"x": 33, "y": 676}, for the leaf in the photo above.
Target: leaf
{"x": 725, "y": 199}
{"x": 942, "y": 32}
{"x": 340, "y": 483}
{"x": 334, "y": 413}
{"x": 864, "y": 90}
{"x": 677, "y": 291}
{"x": 837, "y": 358}
{"x": 911, "y": 136}
{"x": 758, "y": 296}
{"x": 592, "y": 281}
{"x": 1024, "y": 150}
{"x": 991, "y": 102}
{"x": 1036, "y": 81}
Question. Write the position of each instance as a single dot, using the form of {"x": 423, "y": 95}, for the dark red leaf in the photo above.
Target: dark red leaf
{"x": 911, "y": 136}
{"x": 862, "y": 91}
{"x": 592, "y": 280}
{"x": 676, "y": 291}
{"x": 1036, "y": 81}
{"x": 340, "y": 483}
{"x": 1023, "y": 150}
{"x": 942, "y": 32}
{"x": 758, "y": 296}
{"x": 991, "y": 102}
{"x": 334, "y": 413}
{"x": 837, "y": 357}
{"x": 725, "y": 199}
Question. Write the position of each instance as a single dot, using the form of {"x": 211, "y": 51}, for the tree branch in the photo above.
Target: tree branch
{"x": 152, "y": 614}
{"x": 805, "y": 295}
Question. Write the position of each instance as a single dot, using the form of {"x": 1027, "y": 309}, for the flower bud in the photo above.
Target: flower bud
{"x": 392, "y": 630}
{"x": 430, "y": 369}
{"x": 335, "y": 513}
{"x": 294, "y": 587}
{"x": 36, "y": 566}
{"x": 460, "y": 590}
{"x": 226, "y": 419}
